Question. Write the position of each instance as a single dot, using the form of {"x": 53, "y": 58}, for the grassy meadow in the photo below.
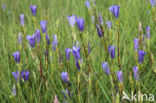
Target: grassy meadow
{"x": 87, "y": 81}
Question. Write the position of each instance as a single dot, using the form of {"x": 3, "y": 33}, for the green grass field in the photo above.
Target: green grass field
{"x": 90, "y": 84}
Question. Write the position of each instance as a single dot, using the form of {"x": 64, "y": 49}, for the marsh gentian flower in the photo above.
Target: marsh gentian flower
{"x": 33, "y": 9}
{"x": 76, "y": 51}
{"x": 43, "y": 25}
{"x": 65, "y": 92}
{"x": 64, "y": 76}
{"x": 72, "y": 20}
{"x": 31, "y": 40}
{"x": 87, "y": 3}
{"x": 19, "y": 38}
{"x": 16, "y": 56}
{"x": 148, "y": 29}
{"x": 22, "y": 19}
{"x": 99, "y": 31}
{"x": 136, "y": 44}
{"x": 77, "y": 64}
{"x": 25, "y": 75}
{"x": 106, "y": 68}
{"x": 109, "y": 24}
{"x": 141, "y": 54}
{"x": 112, "y": 51}
{"x": 100, "y": 19}
{"x": 115, "y": 10}
{"x": 68, "y": 50}
{"x": 120, "y": 76}
{"x": 152, "y": 2}
{"x": 55, "y": 42}
{"x": 47, "y": 39}
{"x": 38, "y": 36}
{"x": 80, "y": 23}
{"x": 16, "y": 75}
{"x": 136, "y": 72}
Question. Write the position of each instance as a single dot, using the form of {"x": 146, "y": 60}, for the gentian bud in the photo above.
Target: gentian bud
{"x": 33, "y": 9}
{"x": 99, "y": 31}
{"x": 80, "y": 23}
{"x": 19, "y": 38}
{"x": 152, "y": 3}
{"x": 47, "y": 39}
{"x": 55, "y": 42}
{"x": 109, "y": 24}
{"x": 100, "y": 19}
{"x": 65, "y": 92}
{"x": 106, "y": 68}
{"x": 87, "y": 3}
{"x": 16, "y": 75}
{"x": 43, "y": 25}
{"x": 141, "y": 54}
{"x": 115, "y": 10}
{"x": 38, "y": 36}
{"x": 136, "y": 44}
{"x": 25, "y": 75}
{"x": 72, "y": 20}
{"x": 68, "y": 50}
{"x": 22, "y": 19}
{"x": 16, "y": 56}
{"x": 31, "y": 40}
{"x": 136, "y": 72}
{"x": 112, "y": 51}
{"x": 120, "y": 76}
{"x": 148, "y": 29}
{"x": 64, "y": 76}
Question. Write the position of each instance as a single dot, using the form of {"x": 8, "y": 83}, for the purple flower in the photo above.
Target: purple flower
{"x": 136, "y": 44}
{"x": 112, "y": 51}
{"x": 33, "y": 9}
{"x": 19, "y": 38}
{"x": 152, "y": 2}
{"x": 148, "y": 29}
{"x": 141, "y": 54}
{"x": 43, "y": 25}
{"x": 106, "y": 68}
{"x": 55, "y": 42}
{"x": 76, "y": 51}
{"x": 120, "y": 76}
{"x": 16, "y": 75}
{"x": 99, "y": 31}
{"x": 80, "y": 23}
{"x": 25, "y": 75}
{"x": 22, "y": 19}
{"x": 87, "y": 3}
{"x": 47, "y": 39}
{"x": 16, "y": 56}
{"x": 65, "y": 93}
{"x": 38, "y": 36}
{"x": 136, "y": 72}
{"x": 77, "y": 64}
{"x": 109, "y": 24}
{"x": 72, "y": 20}
{"x": 68, "y": 50}
{"x": 31, "y": 40}
{"x": 64, "y": 76}
{"x": 115, "y": 10}
{"x": 100, "y": 19}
